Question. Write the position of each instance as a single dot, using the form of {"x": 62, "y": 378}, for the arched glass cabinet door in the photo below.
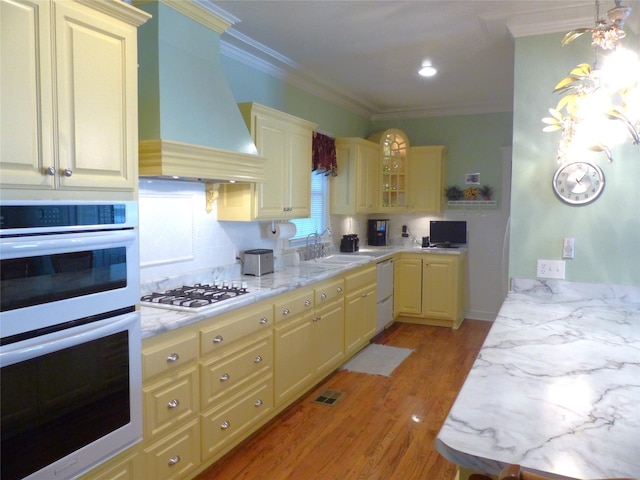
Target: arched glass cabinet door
{"x": 394, "y": 145}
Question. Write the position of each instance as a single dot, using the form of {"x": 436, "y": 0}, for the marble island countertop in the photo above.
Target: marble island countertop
{"x": 555, "y": 387}
{"x": 157, "y": 320}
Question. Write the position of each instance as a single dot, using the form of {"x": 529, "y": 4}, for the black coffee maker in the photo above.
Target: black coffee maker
{"x": 378, "y": 232}
{"x": 350, "y": 243}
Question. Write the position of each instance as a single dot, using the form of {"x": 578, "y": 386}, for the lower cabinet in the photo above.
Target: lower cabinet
{"x": 430, "y": 289}
{"x": 175, "y": 455}
{"x": 125, "y": 466}
{"x": 360, "y": 309}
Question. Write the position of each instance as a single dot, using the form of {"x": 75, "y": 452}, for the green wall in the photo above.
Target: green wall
{"x": 606, "y": 232}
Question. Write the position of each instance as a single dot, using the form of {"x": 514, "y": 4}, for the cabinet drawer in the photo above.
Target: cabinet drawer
{"x": 290, "y": 305}
{"x": 234, "y": 326}
{"x": 176, "y": 455}
{"x": 328, "y": 291}
{"x": 164, "y": 357}
{"x": 234, "y": 420}
{"x": 360, "y": 278}
{"x": 170, "y": 401}
{"x": 228, "y": 373}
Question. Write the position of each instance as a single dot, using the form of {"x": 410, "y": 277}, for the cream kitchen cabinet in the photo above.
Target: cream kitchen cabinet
{"x": 309, "y": 338}
{"x": 360, "y": 308}
{"x": 430, "y": 289}
{"x": 69, "y": 99}
{"x": 393, "y": 167}
{"x": 355, "y": 188}
{"x": 125, "y": 466}
{"x": 426, "y": 178}
{"x": 285, "y": 143}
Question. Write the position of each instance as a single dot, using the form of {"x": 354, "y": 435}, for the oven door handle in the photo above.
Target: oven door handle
{"x": 43, "y": 345}
{"x": 29, "y": 246}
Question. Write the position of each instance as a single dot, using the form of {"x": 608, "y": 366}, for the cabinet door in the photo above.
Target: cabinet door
{"x": 360, "y": 318}
{"x": 367, "y": 179}
{"x": 407, "y": 287}
{"x": 426, "y": 179}
{"x": 329, "y": 337}
{"x": 97, "y": 99}
{"x": 298, "y": 174}
{"x": 439, "y": 287}
{"x": 270, "y": 138}
{"x": 26, "y": 123}
{"x": 294, "y": 357}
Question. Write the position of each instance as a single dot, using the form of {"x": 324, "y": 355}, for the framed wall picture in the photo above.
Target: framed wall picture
{"x": 472, "y": 179}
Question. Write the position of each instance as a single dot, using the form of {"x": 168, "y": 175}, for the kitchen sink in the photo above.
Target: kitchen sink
{"x": 344, "y": 259}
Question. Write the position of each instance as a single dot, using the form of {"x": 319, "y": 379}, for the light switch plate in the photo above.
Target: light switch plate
{"x": 550, "y": 269}
{"x": 567, "y": 248}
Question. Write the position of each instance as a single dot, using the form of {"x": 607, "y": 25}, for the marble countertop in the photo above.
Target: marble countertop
{"x": 555, "y": 387}
{"x": 158, "y": 320}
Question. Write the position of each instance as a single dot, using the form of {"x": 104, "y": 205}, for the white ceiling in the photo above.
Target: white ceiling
{"x": 365, "y": 54}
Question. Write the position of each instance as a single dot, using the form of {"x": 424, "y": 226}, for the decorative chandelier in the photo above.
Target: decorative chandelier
{"x": 600, "y": 106}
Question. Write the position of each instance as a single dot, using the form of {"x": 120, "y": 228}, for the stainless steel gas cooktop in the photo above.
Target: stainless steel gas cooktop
{"x": 189, "y": 297}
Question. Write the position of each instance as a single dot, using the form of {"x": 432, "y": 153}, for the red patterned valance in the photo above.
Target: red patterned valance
{"x": 323, "y": 158}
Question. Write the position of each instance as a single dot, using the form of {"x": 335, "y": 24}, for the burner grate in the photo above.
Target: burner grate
{"x": 195, "y": 296}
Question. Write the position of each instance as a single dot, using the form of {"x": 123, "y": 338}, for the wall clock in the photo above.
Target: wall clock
{"x": 578, "y": 183}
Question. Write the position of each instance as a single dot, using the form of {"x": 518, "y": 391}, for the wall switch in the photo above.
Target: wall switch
{"x": 550, "y": 269}
{"x": 567, "y": 248}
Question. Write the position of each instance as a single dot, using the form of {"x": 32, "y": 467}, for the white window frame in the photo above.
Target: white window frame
{"x": 319, "y": 219}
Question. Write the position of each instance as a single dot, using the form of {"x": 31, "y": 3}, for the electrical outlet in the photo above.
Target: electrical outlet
{"x": 567, "y": 248}
{"x": 550, "y": 269}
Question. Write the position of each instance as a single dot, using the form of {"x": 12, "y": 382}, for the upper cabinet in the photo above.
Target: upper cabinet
{"x": 426, "y": 178}
{"x": 355, "y": 188}
{"x": 393, "y": 147}
{"x": 69, "y": 98}
{"x": 285, "y": 143}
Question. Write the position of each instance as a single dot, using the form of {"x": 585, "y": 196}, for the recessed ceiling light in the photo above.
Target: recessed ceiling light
{"x": 427, "y": 71}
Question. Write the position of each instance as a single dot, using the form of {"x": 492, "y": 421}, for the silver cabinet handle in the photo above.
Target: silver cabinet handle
{"x": 258, "y": 359}
{"x": 224, "y": 377}
{"x": 218, "y": 339}
{"x": 317, "y": 319}
{"x": 339, "y": 289}
{"x": 285, "y": 311}
{"x": 50, "y": 171}
{"x": 224, "y": 425}
{"x": 323, "y": 296}
{"x": 174, "y": 357}
{"x": 307, "y": 303}
{"x": 173, "y": 460}
{"x": 258, "y": 403}
{"x": 67, "y": 172}
{"x": 364, "y": 295}
{"x": 175, "y": 403}
{"x": 264, "y": 321}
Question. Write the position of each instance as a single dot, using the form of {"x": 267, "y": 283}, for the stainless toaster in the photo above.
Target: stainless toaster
{"x": 258, "y": 262}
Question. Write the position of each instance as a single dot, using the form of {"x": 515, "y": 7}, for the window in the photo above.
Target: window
{"x": 318, "y": 220}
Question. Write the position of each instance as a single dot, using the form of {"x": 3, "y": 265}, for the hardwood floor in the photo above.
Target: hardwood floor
{"x": 383, "y": 428}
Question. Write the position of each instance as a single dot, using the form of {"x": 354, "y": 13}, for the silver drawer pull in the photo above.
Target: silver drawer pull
{"x": 264, "y": 321}
{"x": 323, "y": 296}
{"x": 174, "y": 357}
{"x": 50, "y": 171}
{"x": 364, "y": 295}
{"x": 258, "y": 403}
{"x": 224, "y": 425}
{"x": 173, "y": 460}
{"x": 175, "y": 403}
{"x": 339, "y": 289}
{"x": 285, "y": 311}
{"x": 307, "y": 303}
{"x": 218, "y": 339}
{"x": 258, "y": 359}
{"x": 224, "y": 377}
{"x": 67, "y": 172}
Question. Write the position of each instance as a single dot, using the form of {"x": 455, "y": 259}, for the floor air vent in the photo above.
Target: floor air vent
{"x": 329, "y": 397}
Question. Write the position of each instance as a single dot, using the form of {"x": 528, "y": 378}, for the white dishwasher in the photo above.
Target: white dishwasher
{"x": 385, "y": 294}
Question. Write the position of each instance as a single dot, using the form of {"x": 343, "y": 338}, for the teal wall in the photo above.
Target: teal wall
{"x": 606, "y": 232}
{"x": 250, "y": 85}
{"x": 473, "y": 143}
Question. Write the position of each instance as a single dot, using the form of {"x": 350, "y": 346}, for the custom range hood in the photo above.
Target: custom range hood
{"x": 190, "y": 127}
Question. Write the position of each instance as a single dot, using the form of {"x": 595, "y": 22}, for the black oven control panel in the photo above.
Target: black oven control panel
{"x": 53, "y": 215}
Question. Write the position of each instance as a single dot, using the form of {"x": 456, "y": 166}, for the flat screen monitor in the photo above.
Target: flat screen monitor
{"x": 445, "y": 233}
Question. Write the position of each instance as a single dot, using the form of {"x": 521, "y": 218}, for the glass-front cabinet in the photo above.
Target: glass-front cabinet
{"x": 394, "y": 145}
